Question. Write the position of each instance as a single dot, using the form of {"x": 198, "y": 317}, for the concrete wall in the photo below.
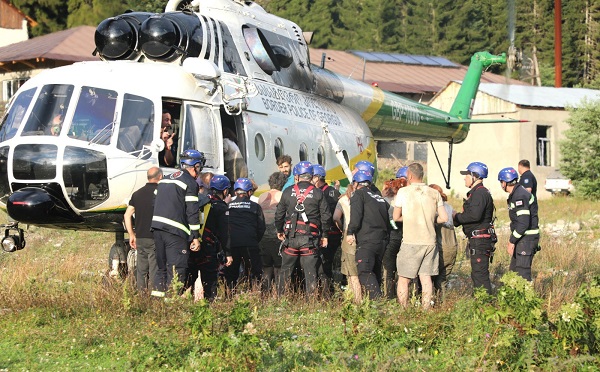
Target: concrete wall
{"x": 10, "y": 36}
{"x": 497, "y": 145}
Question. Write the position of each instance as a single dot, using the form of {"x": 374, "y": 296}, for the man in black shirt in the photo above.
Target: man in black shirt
{"x": 527, "y": 179}
{"x": 302, "y": 220}
{"x": 476, "y": 220}
{"x": 369, "y": 229}
{"x": 142, "y": 239}
{"x": 334, "y": 238}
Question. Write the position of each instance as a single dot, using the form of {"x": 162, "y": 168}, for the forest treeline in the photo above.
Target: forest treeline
{"x": 448, "y": 28}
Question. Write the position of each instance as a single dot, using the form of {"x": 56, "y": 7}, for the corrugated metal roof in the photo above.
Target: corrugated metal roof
{"x": 527, "y": 95}
{"x": 75, "y": 44}
{"x": 399, "y": 78}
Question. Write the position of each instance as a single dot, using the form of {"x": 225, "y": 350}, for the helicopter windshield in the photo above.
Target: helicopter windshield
{"x": 94, "y": 115}
{"x": 14, "y": 117}
{"x": 49, "y": 109}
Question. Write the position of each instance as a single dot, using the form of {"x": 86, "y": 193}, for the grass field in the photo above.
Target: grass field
{"x": 59, "y": 312}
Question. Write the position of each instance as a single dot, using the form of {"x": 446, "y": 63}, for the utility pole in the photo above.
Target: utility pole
{"x": 557, "y": 44}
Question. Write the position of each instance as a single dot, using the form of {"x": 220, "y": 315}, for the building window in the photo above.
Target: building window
{"x": 10, "y": 87}
{"x": 543, "y": 145}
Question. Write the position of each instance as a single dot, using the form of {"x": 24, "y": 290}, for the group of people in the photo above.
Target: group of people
{"x": 291, "y": 234}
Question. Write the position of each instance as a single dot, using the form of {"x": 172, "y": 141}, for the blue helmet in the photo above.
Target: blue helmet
{"x": 302, "y": 168}
{"x": 191, "y": 157}
{"x": 508, "y": 174}
{"x": 476, "y": 169}
{"x": 243, "y": 184}
{"x": 364, "y": 165}
{"x": 318, "y": 170}
{"x": 219, "y": 182}
{"x": 362, "y": 176}
{"x": 402, "y": 172}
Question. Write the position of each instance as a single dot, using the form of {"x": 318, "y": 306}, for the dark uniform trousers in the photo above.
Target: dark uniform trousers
{"x": 389, "y": 263}
{"x": 252, "y": 264}
{"x": 522, "y": 257}
{"x": 480, "y": 250}
{"x": 368, "y": 263}
{"x": 172, "y": 255}
{"x": 303, "y": 248}
{"x": 270, "y": 258}
{"x": 328, "y": 254}
{"x": 207, "y": 263}
{"x": 146, "y": 264}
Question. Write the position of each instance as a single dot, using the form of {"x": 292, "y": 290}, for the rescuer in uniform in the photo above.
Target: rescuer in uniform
{"x": 334, "y": 237}
{"x": 477, "y": 222}
{"x": 366, "y": 166}
{"x": 246, "y": 227}
{"x": 369, "y": 229}
{"x": 302, "y": 221}
{"x": 523, "y": 213}
{"x": 215, "y": 239}
{"x": 175, "y": 221}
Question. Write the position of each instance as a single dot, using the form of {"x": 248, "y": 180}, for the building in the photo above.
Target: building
{"x": 504, "y": 145}
{"x": 13, "y": 24}
{"x": 415, "y": 77}
{"x": 23, "y": 60}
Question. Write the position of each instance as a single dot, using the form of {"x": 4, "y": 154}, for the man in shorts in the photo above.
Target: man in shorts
{"x": 418, "y": 207}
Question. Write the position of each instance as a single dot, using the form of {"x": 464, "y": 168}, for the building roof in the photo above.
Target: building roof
{"x": 74, "y": 45}
{"x": 397, "y": 77}
{"x": 30, "y": 20}
{"x": 527, "y": 95}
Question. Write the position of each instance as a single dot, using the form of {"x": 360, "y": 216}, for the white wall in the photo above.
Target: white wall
{"x": 11, "y": 36}
{"x": 497, "y": 145}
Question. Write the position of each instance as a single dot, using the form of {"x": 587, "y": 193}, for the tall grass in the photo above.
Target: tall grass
{"x": 60, "y": 312}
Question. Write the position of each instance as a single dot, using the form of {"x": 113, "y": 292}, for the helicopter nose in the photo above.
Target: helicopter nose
{"x": 38, "y": 206}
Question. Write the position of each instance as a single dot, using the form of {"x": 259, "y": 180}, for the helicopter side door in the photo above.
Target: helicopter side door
{"x": 202, "y": 132}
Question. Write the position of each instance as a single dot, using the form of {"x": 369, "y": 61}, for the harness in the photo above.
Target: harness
{"x": 209, "y": 237}
{"x": 300, "y": 225}
{"x": 487, "y": 233}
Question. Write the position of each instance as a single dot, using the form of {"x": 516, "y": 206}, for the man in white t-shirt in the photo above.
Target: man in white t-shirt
{"x": 418, "y": 207}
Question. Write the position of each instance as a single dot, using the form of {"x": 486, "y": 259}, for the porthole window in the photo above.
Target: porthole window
{"x": 259, "y": 146}
{"x": 303, "y": 152}
{"x": 278, "y": 148}
{"x": 321, "y": 156}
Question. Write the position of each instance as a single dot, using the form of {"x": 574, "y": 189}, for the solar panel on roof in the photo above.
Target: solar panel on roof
{"x": 369, "y": 57}
{"x": 425, "y": 60}
{"x": 385, "y": 57}
{"x": 407, "y": 59}
{"x": 443, "y": 61}
{"x": 404, "y": 58}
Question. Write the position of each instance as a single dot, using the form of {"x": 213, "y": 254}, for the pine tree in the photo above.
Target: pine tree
{"x": 92, "y": 12}
{"x": 581, "y": 149}
{"x": 573, "y": 46}
{"x": 50, "y": 15}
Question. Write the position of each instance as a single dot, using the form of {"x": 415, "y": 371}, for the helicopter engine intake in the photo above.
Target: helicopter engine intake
{"x": 159, "y": 37}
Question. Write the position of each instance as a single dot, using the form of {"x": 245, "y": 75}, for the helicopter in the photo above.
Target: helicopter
{"x": 76, "y": 141}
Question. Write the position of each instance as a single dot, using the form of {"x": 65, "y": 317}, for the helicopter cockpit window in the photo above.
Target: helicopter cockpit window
{"x": 93, "y": 120}
{"x": 48, "y": 113}
{"x": 137, "y": 124}
{"x": 200, "y": 131}
{"x": 16, "y": 112}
